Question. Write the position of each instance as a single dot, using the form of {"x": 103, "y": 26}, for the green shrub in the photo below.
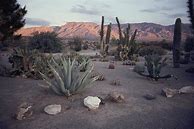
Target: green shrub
{"x": 22, "y": 60}
{"x": 154, "y": 65}
{"x": 45, "y": 42}
{"x": 151, "y": 50}
{"x": 189, "y": 44}
{"x": 68, "y": 79}
{"x": 76, "y": 44}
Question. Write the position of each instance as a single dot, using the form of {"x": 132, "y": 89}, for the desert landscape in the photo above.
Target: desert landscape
{"x": 89, "y": 75}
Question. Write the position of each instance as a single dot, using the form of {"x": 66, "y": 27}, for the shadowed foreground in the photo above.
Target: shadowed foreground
{"x": 135, "y": 113}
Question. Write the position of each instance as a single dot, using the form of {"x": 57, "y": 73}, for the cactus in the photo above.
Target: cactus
{"x": 105, "y": 44}
{"x": 126, "y": 48}
{"x": 176, "y": 43}
{"x": 102, "y": 35}
{"x": 119, "y": 27}
{"x": 191, "y": 13}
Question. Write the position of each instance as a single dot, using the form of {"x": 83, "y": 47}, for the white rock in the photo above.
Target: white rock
{"x": 53, "y": 109}
{"x": 187, "y": 90}
{"x": 92, "y": 102}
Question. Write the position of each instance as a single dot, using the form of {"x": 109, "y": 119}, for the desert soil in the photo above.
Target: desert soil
{"x": 135, "y": 113}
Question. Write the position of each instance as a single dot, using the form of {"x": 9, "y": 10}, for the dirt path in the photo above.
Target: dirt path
{"x": 135, "y": 113}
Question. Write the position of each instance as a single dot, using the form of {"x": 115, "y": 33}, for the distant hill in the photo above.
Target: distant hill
{"x": 90, "y": 31}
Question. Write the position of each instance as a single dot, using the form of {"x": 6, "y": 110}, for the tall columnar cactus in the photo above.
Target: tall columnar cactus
{"x": 191, "y": 12}
{"x": 105, "y": 44}
{"x": 176, "y": 43}
{"x": 108, "y": 34}
{"x": 119, "y": 27}
{"x": 102, "y": 35}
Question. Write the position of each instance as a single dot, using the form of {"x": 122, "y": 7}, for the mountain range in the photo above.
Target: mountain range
{"x": 90, "y": 31}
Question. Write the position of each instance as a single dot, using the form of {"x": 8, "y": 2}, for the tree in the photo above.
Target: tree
{"x": 11, "y": 18}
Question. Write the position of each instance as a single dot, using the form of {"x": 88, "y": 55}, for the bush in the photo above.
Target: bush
{"x": 76, "y": 44}
{"x": 151, "y": 50}
{"x": 189, "y": 44}
{"x": 22, "y": 60}
{"x": 68, "y": 79}
{"x": 45, "y": 42}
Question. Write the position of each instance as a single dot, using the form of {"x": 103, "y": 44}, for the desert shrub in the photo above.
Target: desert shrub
{"x": 189, "y": 44}
{"x": 29, "y": 63}
{"x": 68, "y": 79}
{"x": 151, "y": 50}
{"x": 45, "y": 42}
{"x": 85, "y": 46}
{"x": 22, "y": 60}
{"x": 76, "y": 44}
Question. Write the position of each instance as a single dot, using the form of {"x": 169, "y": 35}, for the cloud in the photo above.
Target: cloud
{"x": 83, "y": 10}
{"x": 37, "y": 22}
{"x": 153, "y": 10}
{"x": 181, "y": 15}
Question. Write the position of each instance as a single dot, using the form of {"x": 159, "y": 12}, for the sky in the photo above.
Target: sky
{"x": 58, "y": 12}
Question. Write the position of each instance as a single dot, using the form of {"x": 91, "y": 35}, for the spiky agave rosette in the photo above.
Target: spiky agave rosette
{"x": 68, "y": 79}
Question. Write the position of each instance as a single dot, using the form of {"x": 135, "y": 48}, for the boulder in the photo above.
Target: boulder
{"x": 111, "y": 66}
{"x": 53, "y": 109}
{"x": 24, "y": 111}
{"x": 169, "y": 92}
{"x": 187, "y": 90}
{"x": 116, "y": 97}
{"x": 92, "y": 102}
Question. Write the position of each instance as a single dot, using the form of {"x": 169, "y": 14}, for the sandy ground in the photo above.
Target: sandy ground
{"x": 135, "y": 113}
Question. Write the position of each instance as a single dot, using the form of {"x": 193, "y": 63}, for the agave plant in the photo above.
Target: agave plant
{"x": 68, "y": 79}
{"x": 154, "y": 64}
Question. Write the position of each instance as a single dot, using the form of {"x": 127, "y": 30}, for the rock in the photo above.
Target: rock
{"x": 53, "y": 109}
{"x": 111, "y": 66}
{"x": 24, "y": 111}
{"x": 187, "y": 90}
{"x": 169, "y": 92}
{"x": 149, "y": 97}
{"x": 139, "y": 68}
{"x": 92, "y": 102}
{"x": 116, "y": 97}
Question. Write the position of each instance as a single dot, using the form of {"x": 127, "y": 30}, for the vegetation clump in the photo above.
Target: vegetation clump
{"x": 45, "y": 42}
{"x": 68, "y": 79}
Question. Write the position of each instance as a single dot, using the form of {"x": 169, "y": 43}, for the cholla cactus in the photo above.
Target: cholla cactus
{"x": 126, "y": 47}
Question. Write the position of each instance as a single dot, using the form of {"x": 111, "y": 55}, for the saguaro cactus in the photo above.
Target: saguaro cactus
{"x": 176, "y": 43}
{"x": 102, "y": 35}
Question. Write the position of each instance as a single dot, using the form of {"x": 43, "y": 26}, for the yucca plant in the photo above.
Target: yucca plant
{"x": 68, "y": 79}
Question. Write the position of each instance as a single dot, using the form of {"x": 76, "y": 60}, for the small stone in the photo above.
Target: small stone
{"x": 116, "y": 97}
{"x": 149, "y": 97}
{"x": 53, "y": 109}
{"x": 24, "y": 111}
{"x": 92, "y": 102}
{"x": 169, "y": 92}
{"x": 111, "y": 66}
